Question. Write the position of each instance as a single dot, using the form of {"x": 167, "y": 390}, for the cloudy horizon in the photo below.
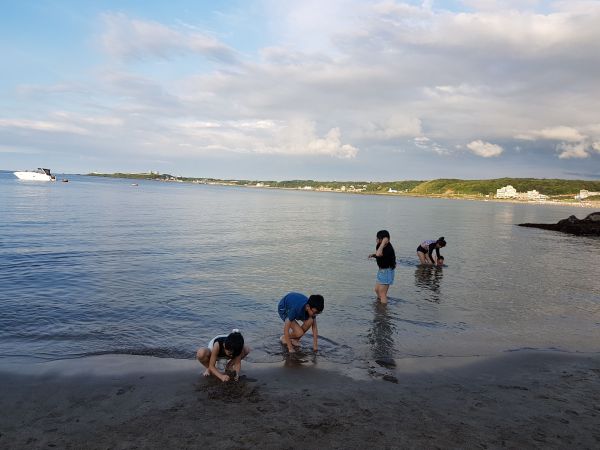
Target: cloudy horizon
{"x": 265, "y": 89}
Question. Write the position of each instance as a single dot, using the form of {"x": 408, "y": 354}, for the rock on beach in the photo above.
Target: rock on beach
{"x": 590, "y": 226}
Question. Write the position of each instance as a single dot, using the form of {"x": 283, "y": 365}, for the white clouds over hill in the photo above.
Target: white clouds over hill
{"x": 344, "y": 80}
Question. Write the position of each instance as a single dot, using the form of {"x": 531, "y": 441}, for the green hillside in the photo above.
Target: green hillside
{"x": 547, "y": 186}
{"x": 475, "y": 187}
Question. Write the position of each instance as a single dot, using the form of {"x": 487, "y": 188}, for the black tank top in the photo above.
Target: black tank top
{"x": 221, "y": 341}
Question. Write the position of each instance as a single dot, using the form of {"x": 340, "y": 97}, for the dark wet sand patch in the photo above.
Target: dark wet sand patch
{"x": 520, "y": 400}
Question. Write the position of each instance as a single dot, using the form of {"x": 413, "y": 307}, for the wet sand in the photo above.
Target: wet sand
{"x": 517, "y": 400}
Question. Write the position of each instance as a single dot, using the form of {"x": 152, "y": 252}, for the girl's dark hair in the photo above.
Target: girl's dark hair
{"x": 383, "y": 234}
{"x": 234, "y": 343}
{"x": 441, "y": 241}
{"x": 316, "y": 301}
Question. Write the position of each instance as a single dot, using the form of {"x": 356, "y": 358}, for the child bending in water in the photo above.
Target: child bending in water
{"x": 294, "y": 307}
{"x": 426, "y": 249}
{"x": 229, "y": 347}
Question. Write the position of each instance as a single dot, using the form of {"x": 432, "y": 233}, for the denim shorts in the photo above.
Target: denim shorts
{"x": 385, "y": 276}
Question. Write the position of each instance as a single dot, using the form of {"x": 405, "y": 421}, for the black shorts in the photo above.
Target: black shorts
{"x": 422, "y": 250}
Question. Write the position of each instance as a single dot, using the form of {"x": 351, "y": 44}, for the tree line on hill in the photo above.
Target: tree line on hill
{"x": 547, "y": 186}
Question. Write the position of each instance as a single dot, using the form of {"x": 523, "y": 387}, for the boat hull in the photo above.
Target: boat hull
{"x": 33, "y": 176}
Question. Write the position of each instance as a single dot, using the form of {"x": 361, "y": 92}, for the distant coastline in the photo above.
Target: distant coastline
{"x": 558, "y": 191}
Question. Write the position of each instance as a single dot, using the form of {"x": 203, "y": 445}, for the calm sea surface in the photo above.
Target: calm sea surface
{"x": 99, "y": 266}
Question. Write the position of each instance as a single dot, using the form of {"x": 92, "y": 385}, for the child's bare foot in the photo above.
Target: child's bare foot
{"x": 206, "y": 373}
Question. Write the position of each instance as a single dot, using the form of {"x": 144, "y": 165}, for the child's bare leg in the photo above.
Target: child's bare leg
{"x": 294, "y": 342}
{"x": 295, "y": 333}
{"x": 382, "y": 290}
{"x": 203, "y": 357}
{"x": 298, "y": 331}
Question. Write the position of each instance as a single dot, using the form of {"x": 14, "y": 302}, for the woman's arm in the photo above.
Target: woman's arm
{"x": 379, "y": 253}
{"x": 430, "y": 253}
{"x": 315, "y": 333}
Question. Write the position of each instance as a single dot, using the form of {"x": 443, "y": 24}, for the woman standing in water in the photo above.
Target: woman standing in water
{"x": 386, "y": 261}
{"x": 426, "y": 249}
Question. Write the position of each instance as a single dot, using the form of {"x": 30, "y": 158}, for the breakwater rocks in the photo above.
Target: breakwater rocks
{"x": 590, "y": 226}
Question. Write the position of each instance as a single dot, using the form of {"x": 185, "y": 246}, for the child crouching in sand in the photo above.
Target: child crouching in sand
{"x": 229, "y": 347}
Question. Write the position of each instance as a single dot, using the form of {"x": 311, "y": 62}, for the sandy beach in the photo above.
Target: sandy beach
{"x": 517, "y": 400}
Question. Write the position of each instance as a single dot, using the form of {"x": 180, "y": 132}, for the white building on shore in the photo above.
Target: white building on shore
{"x": 511, "y": 192}
{"x": 584, "y": 193}
{"x": 506, "y": 192}
{"x": 533, "y": 196}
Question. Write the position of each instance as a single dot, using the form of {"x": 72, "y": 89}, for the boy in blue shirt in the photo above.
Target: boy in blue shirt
{"x": 294, "y": 307}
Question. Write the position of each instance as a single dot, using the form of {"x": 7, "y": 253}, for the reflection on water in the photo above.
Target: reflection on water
{"x": 299, "y": 358}
{"x": 381, "y": 334}
{"x": 428, "y": 279}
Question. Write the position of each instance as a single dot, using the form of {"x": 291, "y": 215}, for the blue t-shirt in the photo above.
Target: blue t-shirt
{"x": 292, "y": 307}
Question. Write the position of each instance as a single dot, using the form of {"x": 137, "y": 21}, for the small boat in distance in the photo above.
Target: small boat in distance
{"x": 38, "y": 175}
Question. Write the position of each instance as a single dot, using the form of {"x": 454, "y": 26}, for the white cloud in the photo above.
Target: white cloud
{"x": 394, "y": 127}
{"x": 128, "y": 38}
{"x": 296, "y": 137}
{"x": 574, "y": 143}
{"x": 40, "y": 125}
{"x": 572, "y": 151}
{"x": 332, "y": 145}
{"x": 440, "y": 150}
{"x": 501, "y": 5}
{"x": 20, "y": 150}
{"x": 561, "y": 133}
{"x": 485, "y": 149}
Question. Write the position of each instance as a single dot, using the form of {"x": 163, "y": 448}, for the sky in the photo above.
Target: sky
{"x": 313, "y": 89}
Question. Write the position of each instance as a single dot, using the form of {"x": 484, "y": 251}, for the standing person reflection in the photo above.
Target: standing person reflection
{"x": 381, "y": 335}
{"x": 429, "y": 278}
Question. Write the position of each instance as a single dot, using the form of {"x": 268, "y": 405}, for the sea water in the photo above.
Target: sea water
{"x": 99, "y": 266}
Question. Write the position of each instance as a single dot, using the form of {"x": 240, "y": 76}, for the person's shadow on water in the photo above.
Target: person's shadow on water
{"x": 429, "y": 278}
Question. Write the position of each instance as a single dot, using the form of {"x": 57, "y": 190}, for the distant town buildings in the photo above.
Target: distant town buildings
{"x": 511, "y": 192}
{"x": 532, "y": 196}
{"x": 585, "y": 194}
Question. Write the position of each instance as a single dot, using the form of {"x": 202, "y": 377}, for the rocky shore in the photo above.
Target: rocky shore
{"x": 590, "y": 226}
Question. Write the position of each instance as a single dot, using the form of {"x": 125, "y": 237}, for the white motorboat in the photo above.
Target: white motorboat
{"x": 38, "y": 175}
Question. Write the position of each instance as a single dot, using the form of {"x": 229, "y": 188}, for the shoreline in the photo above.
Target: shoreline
{"x": 591, "y": 204}
{"x": 524, "y": 399}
